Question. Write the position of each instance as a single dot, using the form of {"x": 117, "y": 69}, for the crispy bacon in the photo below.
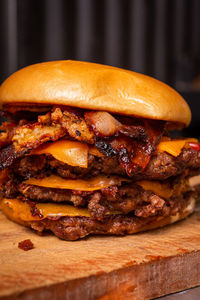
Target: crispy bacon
{"x": 26, "y": 138}
{"x": 30, "y": 136}
{"x": 105, "y": 125}
{"x": 136, "y": 131}
{"x": 134, "y": 154}
{"x": 76, "y": 126}
{"x": 144, "y": 150}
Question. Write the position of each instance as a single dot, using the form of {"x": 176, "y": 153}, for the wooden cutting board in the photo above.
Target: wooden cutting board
{"x": 141, "y": 266}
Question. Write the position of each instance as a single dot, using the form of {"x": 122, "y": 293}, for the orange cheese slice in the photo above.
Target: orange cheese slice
{"x": 21, "y": 211}
{"x": 93, "y": 184}
{"x": 69, "y": 152}
{"x": 174, "y": 147}
{"x": 160, "y": 189}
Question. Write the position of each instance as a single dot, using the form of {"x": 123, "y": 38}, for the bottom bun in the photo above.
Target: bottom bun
{"x": 73, "y": 228}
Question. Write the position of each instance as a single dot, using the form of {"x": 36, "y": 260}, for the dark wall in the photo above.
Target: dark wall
{"x": 160, "y": 38}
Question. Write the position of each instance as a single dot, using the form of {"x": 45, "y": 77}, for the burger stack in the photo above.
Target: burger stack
{"x": 86, "y": 149}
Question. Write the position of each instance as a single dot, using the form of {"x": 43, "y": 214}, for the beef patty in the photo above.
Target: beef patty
{"x": 160, "y": 167}
{"x": 73, "y": 228}
{"x": 123, "y": 198}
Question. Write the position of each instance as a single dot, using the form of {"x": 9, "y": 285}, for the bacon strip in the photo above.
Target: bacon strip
{"x": 72, "y": 122}
{"x": 134, "y": 154}
{"x": 31, "y": 136}
{"x": 105, "y": 125}
{"x": 143, "y": 151}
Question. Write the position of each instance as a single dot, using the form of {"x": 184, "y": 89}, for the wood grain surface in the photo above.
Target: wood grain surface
{"x": 141, "y": 266}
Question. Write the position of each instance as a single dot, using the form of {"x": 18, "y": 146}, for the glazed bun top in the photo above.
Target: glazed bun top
{"x": 95, "y": 87}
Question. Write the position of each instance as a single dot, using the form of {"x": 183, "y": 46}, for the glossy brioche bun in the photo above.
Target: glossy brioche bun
{"x": 97, "y": 87}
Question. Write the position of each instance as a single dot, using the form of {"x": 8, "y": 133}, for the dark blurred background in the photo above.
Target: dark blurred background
{"x": 160, "y": 38}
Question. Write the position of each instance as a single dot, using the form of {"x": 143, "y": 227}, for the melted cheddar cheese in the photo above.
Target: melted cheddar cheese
{"x": 92, "y": 184}
{"x": 20, "y": 211}
{"x": 69, "y": 152}
{"x": 161, "y": 189}
{"x": 174, "y": 147}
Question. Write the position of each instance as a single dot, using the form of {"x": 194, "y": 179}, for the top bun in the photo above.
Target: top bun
{"x": 97, "y": 87}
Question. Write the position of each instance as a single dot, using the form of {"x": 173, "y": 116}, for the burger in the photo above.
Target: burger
{"x": 86, "y": 149}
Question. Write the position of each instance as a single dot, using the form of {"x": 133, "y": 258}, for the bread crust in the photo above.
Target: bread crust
{"x": 95, "y": 87}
